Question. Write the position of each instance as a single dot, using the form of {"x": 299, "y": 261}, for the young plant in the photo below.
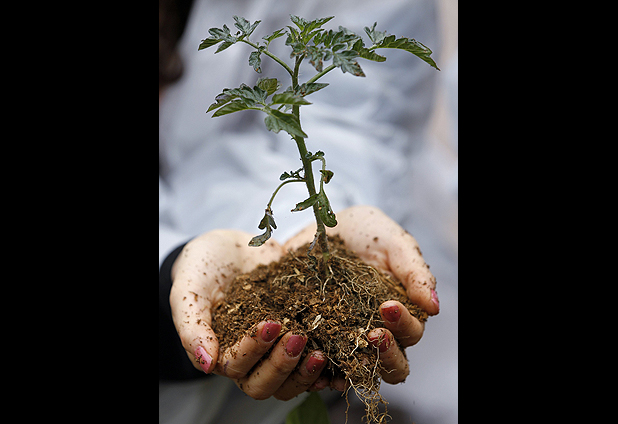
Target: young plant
{"x": 308, "y": 41}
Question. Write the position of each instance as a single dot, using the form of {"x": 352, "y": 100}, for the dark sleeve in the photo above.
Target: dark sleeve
{"x": 174, "y": 364}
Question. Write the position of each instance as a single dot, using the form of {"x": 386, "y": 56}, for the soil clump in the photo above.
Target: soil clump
{"x": 334, "y": 312}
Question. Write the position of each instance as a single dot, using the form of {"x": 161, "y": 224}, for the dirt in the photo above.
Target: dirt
{"x": 335, "y": 313}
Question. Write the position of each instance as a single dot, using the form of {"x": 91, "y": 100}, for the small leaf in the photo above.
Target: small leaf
{"x": 209, "y": 42}
{"x": 306, "y": 203}
{"x": 287, "y": 98}
{"x": 277, "y": 121}
{"x": 269, "y": 85}
{"x": 306, "y": 89}
{"x": 256, "y": 61}
{"x": 231, "y": 107}
{"x": 324, "y": 210}
{"x": 327, "y": 175}
{"x": 244, "y": 26}
{"x": 376, "y": 37}
{"x": 365, "y": 53}
{"x": 257, "y": 241}
{"x": 223, "y": 46}
{"x": 274, "y": 35}
{"x": 409, "y": 45}
{"x": 346, "y": 61}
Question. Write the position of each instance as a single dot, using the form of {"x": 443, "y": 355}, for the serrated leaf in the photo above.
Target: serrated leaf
{"x": 410, "y": 45}
{"x": 325, "y": 212}
{"x": 306, "y": 203}
{"x": 209, "y": 42}
{"x": 256, "y": 61}
{"x": 287, "y": 98}
{"x": 221, "y": 100}
{"x": 346, "y": 60}
{"x": 269, "y": 85}
{"x": 274, "y": 35}
{"x": 376, "y": 37}
{"x": 234, "y": 106}
{"x": 244, "y": 26}
{"x": 306, "y": 89}
{"x": 365, "y": 53}
{"x": 223, "y": 46}
{"x": 277, "y": 121}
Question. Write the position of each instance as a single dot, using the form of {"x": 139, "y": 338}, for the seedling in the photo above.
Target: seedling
{"x": 308, "y": 41}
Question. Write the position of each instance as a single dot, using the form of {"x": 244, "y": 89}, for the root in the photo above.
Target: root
{"x": 336, "y": 308}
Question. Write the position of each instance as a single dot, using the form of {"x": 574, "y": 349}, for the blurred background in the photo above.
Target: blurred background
{"x": 391, "y": 139}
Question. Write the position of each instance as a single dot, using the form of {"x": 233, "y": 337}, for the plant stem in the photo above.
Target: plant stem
{"x": 272, "y": 56}
{"x": 309, "y": 181}
{"x": 270, "y": 202}
{"x": 321, "y": 74}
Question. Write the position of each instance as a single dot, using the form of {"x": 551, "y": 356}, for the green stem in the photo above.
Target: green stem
{"x": 270, "y": 202}
{"x": 272, "y": 56}
{"x": 308, "y": 178}
{"x": 321, "y": 74}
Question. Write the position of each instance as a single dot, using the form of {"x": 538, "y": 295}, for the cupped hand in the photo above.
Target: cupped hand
{"x": 201, "y": 274}
{"x": 384, "y": 244}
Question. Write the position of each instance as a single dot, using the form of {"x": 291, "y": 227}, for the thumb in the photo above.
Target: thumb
{"x": 408, "y": 265}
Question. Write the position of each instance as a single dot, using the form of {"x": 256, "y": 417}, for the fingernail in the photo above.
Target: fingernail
{"x": 381, "y": 342}
{"x": 391, "y": 313}
{"x": 203, "y": 358}
{"x": 434, "y": 298}
{"x": 315, "y": 362}
{"x": 270, "y": 331}
{"x": 295, "y": 345}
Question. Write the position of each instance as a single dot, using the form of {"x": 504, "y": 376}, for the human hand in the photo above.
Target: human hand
{"x": 384, "y": 244}
{"x": 201, "y": 274}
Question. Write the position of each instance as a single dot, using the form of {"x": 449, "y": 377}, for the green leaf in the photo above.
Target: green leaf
{"x": 274, "y": 35}
{"x": 244, "y": 26}
{"x": 365, "y": 53}
{"x": 306, "y": 203}
{"x": 291, "y": 174}
{"x": 231, "y": 107}
{"x": 277, "y": 121}
{"x": 376, "y": 37}
{"x": 216, "y": 36}
{"x": 418, "y": 49}
{"x": 346, "y": 60}
{"x": 257, "y": 241}
{"x": 324, "y": 210}
{"x": 312, "y": 411}
{"x": 269, "y": 85}
{"x": 327, "y": 175}
{"x": 256, "y": 61}
{"x": 306, "y": 89}
{"x": 209, "y": 42}
{"x": 268, "y": 223}
{"x": 223, "y": 46}
{"x": 288, "y": 98}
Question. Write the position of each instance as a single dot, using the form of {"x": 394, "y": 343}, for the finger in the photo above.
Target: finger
{"x": 390, "y": 247}
{"x": 193, "y": 320}
{"x": 201, "y": 345}
{"x": 270, "y": 374}
{"x": 238, "y": 359}
{"x": 204, "y": 268}
{"x": 299, "y": 381}
{"x": 395, "y": 366}
{"x": 405, "y": 327}
{"x": 384, "y": 244}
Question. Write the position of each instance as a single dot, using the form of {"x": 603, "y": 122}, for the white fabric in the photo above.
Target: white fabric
{"x": 220, "y": 172}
